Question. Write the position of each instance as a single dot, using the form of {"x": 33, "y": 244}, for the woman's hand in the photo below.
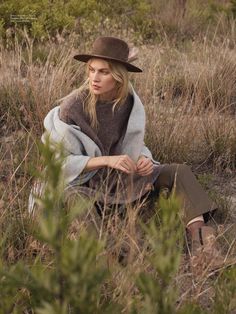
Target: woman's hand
{"x": 124, "y": 163}
{"x": 144, "y": 166}
{"x": 121, "y": 162}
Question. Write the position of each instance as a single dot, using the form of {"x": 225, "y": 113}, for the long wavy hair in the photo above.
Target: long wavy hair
{"x": 89, "y": 99}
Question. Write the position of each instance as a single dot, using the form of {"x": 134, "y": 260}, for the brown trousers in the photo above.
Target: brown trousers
{"x": 180, "y": 178}
{"x": 174, "y": 177}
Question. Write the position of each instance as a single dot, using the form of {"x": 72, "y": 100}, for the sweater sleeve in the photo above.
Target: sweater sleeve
{"x": 146, "y": 152}
{"x": 64, "y": 115}
{"x": 69, "y": 109}
{"x": 73, "y": 167}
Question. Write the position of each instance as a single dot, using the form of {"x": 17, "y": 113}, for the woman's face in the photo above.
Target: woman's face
{"x": 101, "y": 81}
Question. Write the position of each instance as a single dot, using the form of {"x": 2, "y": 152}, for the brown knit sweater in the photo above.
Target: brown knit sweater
{"x": 112, "y": 124}
{"x": 112, "y": 185}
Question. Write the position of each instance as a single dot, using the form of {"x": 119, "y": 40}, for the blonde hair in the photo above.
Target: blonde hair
{"x": 89, "y": 99}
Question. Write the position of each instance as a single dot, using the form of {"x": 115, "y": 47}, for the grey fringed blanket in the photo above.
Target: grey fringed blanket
{"x": 79, "y": 148}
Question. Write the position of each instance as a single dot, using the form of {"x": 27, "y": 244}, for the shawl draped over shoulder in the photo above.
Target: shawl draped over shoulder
{"x": 79, "y": 148}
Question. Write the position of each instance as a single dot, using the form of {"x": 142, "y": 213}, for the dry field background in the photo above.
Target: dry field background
{"x": 189, "y": 92}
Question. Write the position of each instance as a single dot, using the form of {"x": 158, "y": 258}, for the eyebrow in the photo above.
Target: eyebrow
{"x": 102, "y": 69}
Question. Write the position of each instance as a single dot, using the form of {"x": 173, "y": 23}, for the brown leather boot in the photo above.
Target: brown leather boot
{"x": 205, "y": 255}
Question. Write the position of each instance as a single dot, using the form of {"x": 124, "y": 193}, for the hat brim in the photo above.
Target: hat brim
{"x": 85, "y": 58}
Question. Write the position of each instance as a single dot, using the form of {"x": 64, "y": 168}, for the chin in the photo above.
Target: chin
{"x": 95, "y": 92}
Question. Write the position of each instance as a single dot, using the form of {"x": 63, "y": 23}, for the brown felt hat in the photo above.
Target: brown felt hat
{"x": 110, "y": 48}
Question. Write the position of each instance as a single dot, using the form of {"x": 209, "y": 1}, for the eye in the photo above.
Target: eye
{"x": 105, "y": 72}
{"x": 91, "y": 70}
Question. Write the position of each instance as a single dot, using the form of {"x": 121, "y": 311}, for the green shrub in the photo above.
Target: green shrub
{"x": 233, "y": 7}
{"x": 72, "y": 276}
{"x": 71, "y": 281}
{"x": 145, "y": 19}
{"x": 225, "y": 296}
{"x": 159, "y": 293}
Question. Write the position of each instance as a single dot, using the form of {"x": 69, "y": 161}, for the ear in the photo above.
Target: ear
{"x": 133, "y": 54}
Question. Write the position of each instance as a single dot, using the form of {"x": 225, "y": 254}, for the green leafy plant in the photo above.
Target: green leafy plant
{"x": 70, "y": 278}
{"x": 165, "y": 240}
{"x": 225, "y": 297}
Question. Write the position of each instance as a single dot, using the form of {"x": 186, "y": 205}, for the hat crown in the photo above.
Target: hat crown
{"x": 111, "y": 47}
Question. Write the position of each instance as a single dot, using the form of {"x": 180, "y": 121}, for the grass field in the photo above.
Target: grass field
{"x": 189, "y": 93}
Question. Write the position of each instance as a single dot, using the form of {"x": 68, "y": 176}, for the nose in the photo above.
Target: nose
{"x": 96, "y": 77}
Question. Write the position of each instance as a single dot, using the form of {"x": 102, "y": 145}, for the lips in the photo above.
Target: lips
{"x": 96, "y": 86}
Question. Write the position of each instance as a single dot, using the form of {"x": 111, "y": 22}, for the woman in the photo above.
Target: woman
{"x": 102, "y": 128}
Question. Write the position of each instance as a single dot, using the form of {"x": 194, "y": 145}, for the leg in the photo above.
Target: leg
{"x": 180, "y": 180}
{"x": 197, "y": 209}
{"x": 196, "y": 203}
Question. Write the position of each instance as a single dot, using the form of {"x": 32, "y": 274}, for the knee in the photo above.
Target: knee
{"x": 182, "y": 169}
{"x": 178, "y": 168}
{"x": 172, "y": 172}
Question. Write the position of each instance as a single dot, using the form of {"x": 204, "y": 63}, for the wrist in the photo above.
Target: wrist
{"x": 105, "y": 161}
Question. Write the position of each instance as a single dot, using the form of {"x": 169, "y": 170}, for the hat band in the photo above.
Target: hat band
{"x": 113, "y": 55}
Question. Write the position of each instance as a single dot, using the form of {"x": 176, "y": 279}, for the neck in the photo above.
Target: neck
{"x": 109, "y": 96}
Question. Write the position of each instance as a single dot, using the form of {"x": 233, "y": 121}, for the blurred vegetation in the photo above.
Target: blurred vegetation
{"x": 71, "y": 275}
{"x": 51, "y": 18}
{"x": 188, "y": 87}
{"x": 147, "y": 20}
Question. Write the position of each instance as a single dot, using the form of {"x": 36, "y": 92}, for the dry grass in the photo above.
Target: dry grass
{"x": 32, "y": 79}
{"x": 190, "y": 100}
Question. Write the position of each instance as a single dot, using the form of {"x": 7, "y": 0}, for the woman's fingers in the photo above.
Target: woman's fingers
{"x": 142, "y": 162}
{"x": 124, "y": 166}
{"x": 144, "y": 166}
{"x": 123, "y": 163}
{"x": 125, "y": 170}
{"x": 143, "y": 174}
{"x": 129, "y": 163}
